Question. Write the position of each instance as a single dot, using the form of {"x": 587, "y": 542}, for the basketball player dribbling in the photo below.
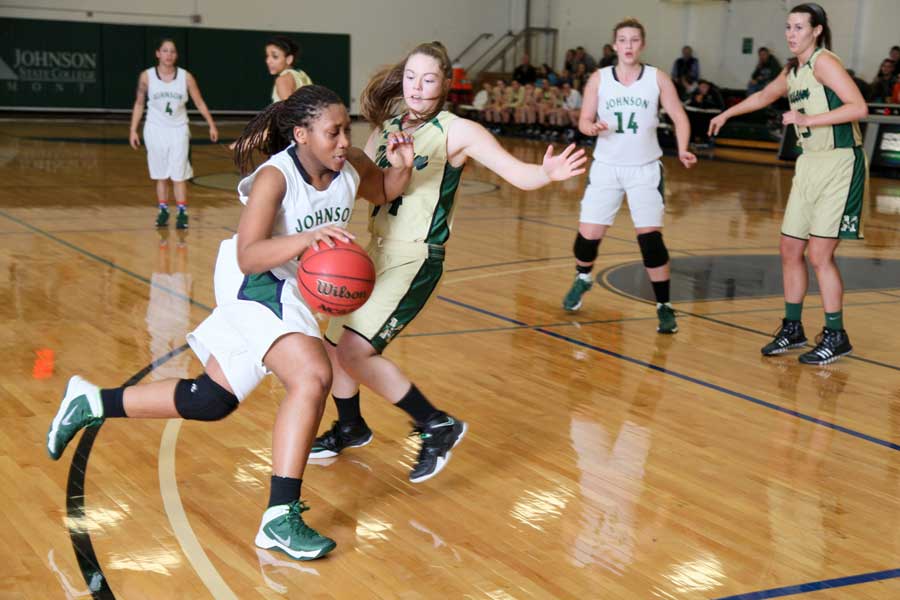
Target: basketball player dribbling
{"x": 620, "y": 107}
{"x": 261, "y": 324}
{"x": 407, "y": 247}
{"x": 166, "y": 134}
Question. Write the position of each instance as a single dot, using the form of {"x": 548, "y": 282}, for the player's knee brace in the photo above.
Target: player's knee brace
{"x": 585, "y": 249}
{"x": 653, "y": 250}
{"x": 203, "y": 399}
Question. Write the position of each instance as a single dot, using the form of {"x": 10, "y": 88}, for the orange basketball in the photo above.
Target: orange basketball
{"x": 337, "y": 280}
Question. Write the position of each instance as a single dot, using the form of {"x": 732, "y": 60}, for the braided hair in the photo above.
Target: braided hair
{"x": 272, "y": 130}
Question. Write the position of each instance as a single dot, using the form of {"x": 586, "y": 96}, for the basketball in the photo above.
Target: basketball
{"x": 336, "y": 280}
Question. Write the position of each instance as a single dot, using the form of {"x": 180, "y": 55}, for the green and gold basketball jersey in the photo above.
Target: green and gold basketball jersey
{"x": 424, "y": 213}
{"x": 808, "y": 96}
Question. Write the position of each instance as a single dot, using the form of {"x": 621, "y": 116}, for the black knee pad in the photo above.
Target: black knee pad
{"x": 585, "y": 249}
{"x": 653, "y": 249}
{"x": 203, "y": 399}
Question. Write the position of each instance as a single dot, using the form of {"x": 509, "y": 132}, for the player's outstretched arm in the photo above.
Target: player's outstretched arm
{"x": 467, "y": 139}
{"x": 752, "y": 103}
{"x": 382, "y": 186}
{"x": 257, "y": 250}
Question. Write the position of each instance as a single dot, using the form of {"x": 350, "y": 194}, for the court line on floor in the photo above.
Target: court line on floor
{"x": 814, "y": 586}
{"x": 181, "y": 525}
{"x": 79, "y": 534}
{"x": 682, "y": 376}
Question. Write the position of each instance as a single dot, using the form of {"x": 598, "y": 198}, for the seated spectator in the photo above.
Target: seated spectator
{"x": 525, "y": 72}
{"x": 583, "y": 58}
{"x": 550, "y": 74}
{"x": 861, "y": 85}
{"x": 767, "y": 69}
{"x": 569, "y": 61}
{"x": 706, "y": 98}
{"x": 895, "y": 96}
{"x": 580, "y": 77}
{"x": 609, "y": 58}
{"x": 565, "y": 76}
{"x": 883, "y": 84}
{"x": 483, "y": 97}
{"x": 571, "y": 105}
{"x": 685, "y": 69}
{"x": 894, "y": 55}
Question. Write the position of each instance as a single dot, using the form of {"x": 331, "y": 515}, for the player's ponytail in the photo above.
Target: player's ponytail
{"x": 817, "y": 17}
{"x": 272, "y": 130}
{"x": 383, "y": 96}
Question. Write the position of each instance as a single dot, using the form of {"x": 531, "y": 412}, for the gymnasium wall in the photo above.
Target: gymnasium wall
{"x": 863, "y": 31}
{"x": 79, "y": 65}
{"x": 377, "y": 35}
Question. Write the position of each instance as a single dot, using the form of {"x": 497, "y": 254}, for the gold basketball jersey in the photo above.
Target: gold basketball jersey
{"x": 424, "y": 213}
{"x": 300, "y": 79}
{"x": 808, "y": 96}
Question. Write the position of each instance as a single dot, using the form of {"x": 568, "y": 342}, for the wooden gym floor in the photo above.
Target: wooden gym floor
{"x": 603, "y": 460}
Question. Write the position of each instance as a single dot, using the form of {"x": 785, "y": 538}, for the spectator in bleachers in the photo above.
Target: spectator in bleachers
{"x": 569, "y": 61}
{"x": 580, "y": 77}
{"x": 525, "y": 72}
{"x": 549, "y": 73}
{"x": 883, "y": 84}
{"x": 583, "y": 58}
{"x": 565, "y": 76}
{"x": 571, "y": 105}
{"x": 706, "y": 98}
{"x": 494, "y": 112}
{"x": 515, "y": 98}
{"x": 767, "y": 69}
{"x": 685, "y": 70}
{"x": 864, "y": 88}
{"x": 609, "y": 58}
{"x": 894, "y": 55}
{"x": 483, "y": 97}
{"x": 895, "y": 96}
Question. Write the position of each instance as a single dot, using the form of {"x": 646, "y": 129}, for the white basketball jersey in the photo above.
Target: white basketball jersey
{"x": 304, "y": 207}
{"x": 632, "y": 114}
{"x": 167, "y": 100}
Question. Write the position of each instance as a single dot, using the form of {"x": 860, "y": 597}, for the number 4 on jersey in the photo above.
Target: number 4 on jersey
{"x": 168, "y": 108}
{"x": 632, "y": 124}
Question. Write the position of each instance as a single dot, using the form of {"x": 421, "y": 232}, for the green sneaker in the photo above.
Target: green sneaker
{"x": 162, "y": 219}
{"x": 283, "y": 529}
{"x": 181, "y": 220}
{"x": 80, "y": 408}
{"x": 666, "y": 316}
{"x": 580, "y": 287}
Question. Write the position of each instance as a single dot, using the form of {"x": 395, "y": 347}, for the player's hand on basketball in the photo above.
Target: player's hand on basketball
{"x": 400, "y": 151}
{"x": 568, "y": 163}
{"x": 134, "y": 139}
{"x": 213, "y": 134}
{"x": 327, "y": 235}
{"x": 715, "y": 124}
{"x": 688, "y": 159}
{"x": 796, "y": 118}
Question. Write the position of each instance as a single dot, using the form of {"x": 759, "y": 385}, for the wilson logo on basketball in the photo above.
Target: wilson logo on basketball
{"x": 326, "y": 288}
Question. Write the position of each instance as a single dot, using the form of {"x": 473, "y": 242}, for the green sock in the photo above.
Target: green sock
{"x": 793, "y": 311}
{"x": 835, "y": 320}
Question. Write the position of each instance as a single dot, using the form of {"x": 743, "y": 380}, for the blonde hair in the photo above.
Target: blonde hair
{"x": 629, "y": 22}
{"x": 383, "y": 96}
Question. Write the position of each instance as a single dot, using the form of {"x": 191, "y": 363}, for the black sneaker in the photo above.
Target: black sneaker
{"x": 351, "y": 435}
{"x": 789, "y": 335}
{"x": 439, "y": 435}
{"x": 831, "y": 344}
